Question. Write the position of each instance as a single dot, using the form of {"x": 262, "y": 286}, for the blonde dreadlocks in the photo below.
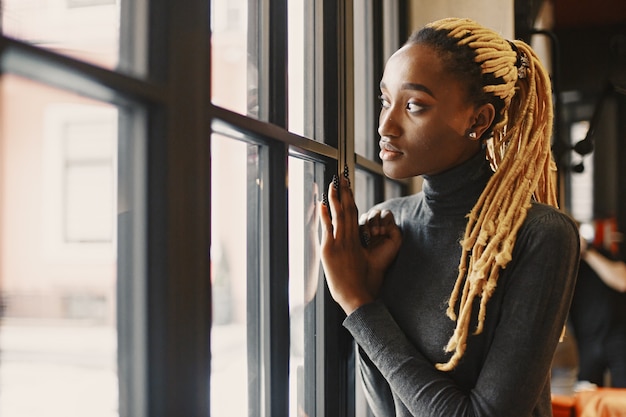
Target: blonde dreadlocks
{"x": 518, "y": 148}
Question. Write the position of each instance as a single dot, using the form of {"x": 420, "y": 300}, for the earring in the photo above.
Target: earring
{"x": 472, "y": 135}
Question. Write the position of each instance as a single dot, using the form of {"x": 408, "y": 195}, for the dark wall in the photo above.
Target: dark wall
{"x": 621, "y": 170}
{"x": 589, "y": 57}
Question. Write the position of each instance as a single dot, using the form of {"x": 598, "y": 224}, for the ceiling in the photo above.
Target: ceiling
{"x": 588, "y": 13}
{"x": 591, "y": 37}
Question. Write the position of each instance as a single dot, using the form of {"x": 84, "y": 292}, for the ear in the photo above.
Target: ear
{"x": 482, "y": 118}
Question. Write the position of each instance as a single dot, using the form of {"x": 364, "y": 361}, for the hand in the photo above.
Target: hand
{"x": 354, "y": 272}
{"x": 378, "y": 230}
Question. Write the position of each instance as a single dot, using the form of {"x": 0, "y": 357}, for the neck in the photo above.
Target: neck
{"x": 456, "y": 191}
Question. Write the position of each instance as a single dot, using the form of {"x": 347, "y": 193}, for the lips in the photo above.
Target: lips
{"x": 388, "y": 152}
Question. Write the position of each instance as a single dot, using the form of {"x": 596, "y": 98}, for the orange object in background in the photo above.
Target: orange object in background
{"x": 607, "y": 236}
{"x": 563, "y": 406}
{"x": 601, "y": 402}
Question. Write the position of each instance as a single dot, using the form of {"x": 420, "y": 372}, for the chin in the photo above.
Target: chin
{"x": 396, "y": 174}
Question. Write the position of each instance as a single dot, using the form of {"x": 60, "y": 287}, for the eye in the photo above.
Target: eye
{"x": 383, "y": 102}
{"x": 414, "y": 107}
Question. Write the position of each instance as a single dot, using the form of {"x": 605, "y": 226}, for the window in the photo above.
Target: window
{"x": 58, "y": 249}
{"x": 68, "y": 27}
{"x": 79, "y": 157}
{"x": 179, "y": 163}
{"x": 87, "y": 3}
{"x": 73, "y": 193}
{"x": 305, "y": 283}
{"x": 231, "y": 357}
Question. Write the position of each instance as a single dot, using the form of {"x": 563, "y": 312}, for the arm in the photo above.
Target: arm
{"x": 534, "y": 297}
{"x": 612, "y": 273}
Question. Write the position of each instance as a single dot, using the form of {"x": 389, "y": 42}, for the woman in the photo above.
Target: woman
{"x": 458, "y": 294}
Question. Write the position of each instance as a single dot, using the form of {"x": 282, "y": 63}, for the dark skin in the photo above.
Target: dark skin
{"x": 425, "y": 125}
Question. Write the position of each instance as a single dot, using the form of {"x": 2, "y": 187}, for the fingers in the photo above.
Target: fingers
{"x": 325, "y": 221}
{"x": 368, "y": 226}
{"x": 388, "y": 225}
{"x": 334, "y": 206}
{"x": 347, "y": 201}
{"x": 378, "y": 223}
{"x": 376, "y": 220}
{"x": 364, "y": 235}
{"x": 342, "y": 208}
{"x": 386, "y": 218}
{"x": 373, "y": 221}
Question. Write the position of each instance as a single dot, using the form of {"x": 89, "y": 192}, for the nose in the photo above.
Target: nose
{"x": 388, "y": 125}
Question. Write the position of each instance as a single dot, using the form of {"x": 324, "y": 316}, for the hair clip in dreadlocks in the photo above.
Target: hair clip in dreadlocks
{"x": 523, "y": 63}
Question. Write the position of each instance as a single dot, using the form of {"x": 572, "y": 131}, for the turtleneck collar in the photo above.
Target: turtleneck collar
{"x": 456, "y": 191}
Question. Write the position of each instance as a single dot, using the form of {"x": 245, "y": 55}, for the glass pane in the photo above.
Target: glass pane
{"x": 230, "y": 160}
{"x": 392, "y": 189}
{"x": 301, "y": 62}
{"x": 234, "y": 69}
{"x": 58, "y": 249}
{"x": 364, "y": 190}
{"x": 365, "y": 90}
{"x": 305, "y": 187}
{"x": 83, "y": 29}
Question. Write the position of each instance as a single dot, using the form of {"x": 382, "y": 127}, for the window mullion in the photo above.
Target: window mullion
{"x": 278, "y": 62}
{"x": 346, "y": 57}
{"x": 275, "y": 284}
{"x": 179, "y": 309}
{"x": 336, "y": 383}
{"x": 255, "y": 293}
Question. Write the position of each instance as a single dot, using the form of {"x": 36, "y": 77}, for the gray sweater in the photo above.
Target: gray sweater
{"x": 505, "y": 370}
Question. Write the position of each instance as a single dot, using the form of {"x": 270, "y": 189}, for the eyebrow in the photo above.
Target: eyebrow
{"x": 412, "y": 86}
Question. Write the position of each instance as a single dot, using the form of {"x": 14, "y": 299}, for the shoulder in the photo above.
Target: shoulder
{"x": 546, "y": 252}
{"x": 548, "y": 225}
{"x": 548, "y": 218}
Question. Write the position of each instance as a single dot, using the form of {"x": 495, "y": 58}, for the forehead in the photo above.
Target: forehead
{"x": 422, "y": 64}
{"x": 416, "y": 63}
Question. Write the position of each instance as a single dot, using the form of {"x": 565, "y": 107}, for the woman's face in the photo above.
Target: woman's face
{"x": 425, "y": 117}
